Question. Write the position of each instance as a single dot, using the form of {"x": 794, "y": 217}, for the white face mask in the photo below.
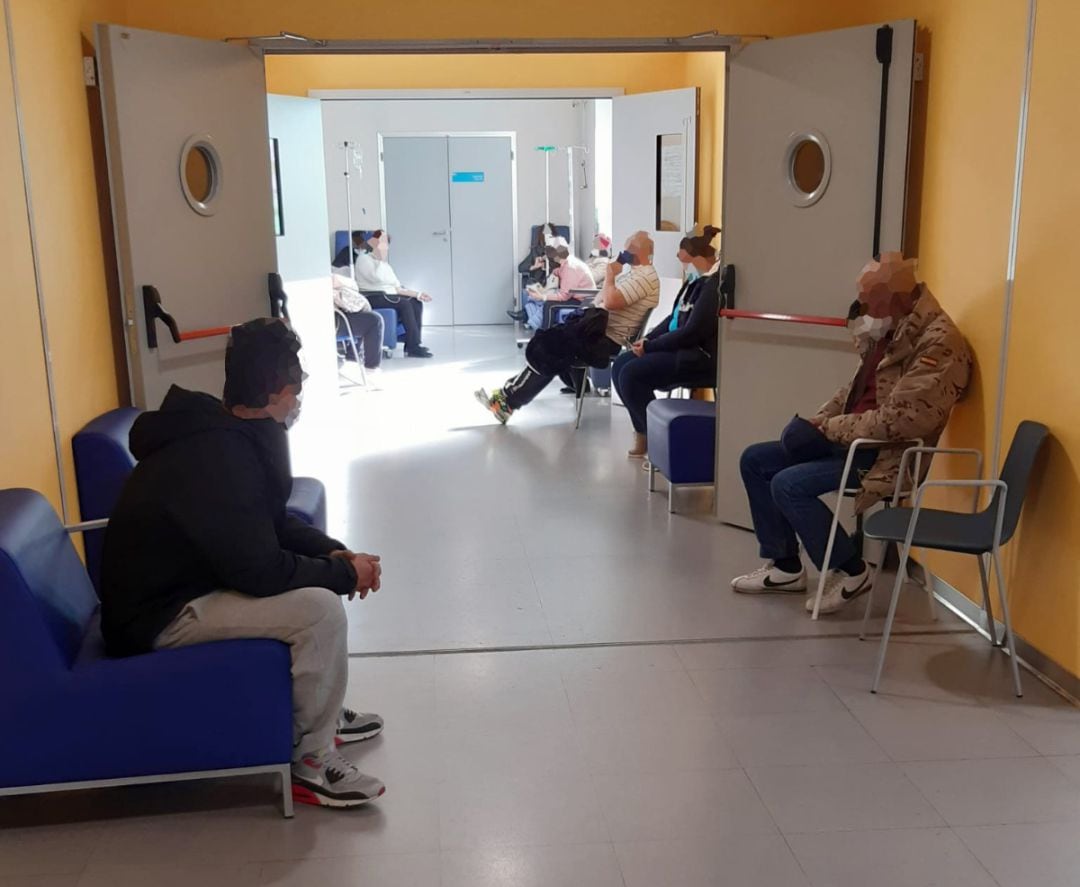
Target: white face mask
{"x": 870, "y": 329}
{"x": 294, "y": 414}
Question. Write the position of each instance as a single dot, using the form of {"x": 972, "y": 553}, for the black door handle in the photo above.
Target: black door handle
{"x": 154, "y": 312}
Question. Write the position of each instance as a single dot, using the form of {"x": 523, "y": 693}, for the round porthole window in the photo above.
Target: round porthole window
{"x": 200, "y": 174}
{"x": 807, "y": 166}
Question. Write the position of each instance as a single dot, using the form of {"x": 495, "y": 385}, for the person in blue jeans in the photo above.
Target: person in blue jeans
{"x": 914, "y": 365}
{"x": 786, "y": 508}
{"x": 681, "y": 349}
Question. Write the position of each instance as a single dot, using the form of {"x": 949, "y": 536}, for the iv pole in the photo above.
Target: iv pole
{"x": 352, "y": 264}
{"x": 348, "y": 215}
{"x": 570, "y": 149}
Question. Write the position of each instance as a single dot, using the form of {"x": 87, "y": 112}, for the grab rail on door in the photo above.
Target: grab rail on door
{"x": 811, "y": 320}
{"x": 155, "y": 311}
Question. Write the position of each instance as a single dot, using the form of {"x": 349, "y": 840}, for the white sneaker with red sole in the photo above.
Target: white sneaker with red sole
{"x": 330, "y": 780}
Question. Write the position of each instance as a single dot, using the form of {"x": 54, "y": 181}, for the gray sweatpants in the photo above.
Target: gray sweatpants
{"x": 310, "y": 620}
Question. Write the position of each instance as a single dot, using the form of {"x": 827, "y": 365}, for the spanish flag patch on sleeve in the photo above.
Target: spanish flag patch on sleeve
{"x": 928, "y": 361}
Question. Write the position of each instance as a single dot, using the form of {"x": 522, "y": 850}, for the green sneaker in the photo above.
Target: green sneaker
{"x": 495, "y": 403}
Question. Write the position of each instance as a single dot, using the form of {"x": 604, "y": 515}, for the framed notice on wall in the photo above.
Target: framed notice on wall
{"x": 670, "y": 181}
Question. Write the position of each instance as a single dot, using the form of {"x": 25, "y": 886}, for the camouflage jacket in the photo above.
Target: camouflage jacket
{"x": 925, "y": 370}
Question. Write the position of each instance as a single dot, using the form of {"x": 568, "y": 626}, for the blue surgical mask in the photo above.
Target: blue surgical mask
{"x": 692, "y": 274}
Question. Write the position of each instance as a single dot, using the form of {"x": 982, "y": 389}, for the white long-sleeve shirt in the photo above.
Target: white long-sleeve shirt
{"x": 375, "y": 275}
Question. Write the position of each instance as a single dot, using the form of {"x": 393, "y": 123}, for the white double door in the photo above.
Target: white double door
{"x": 448, "y": 205}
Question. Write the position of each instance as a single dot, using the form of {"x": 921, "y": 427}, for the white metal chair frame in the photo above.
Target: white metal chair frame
{"x": 356, "y": 353}
{"x": 976, "y": 485}
{"x": 846, "y": 490}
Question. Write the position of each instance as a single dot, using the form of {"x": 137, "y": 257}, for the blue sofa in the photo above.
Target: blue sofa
{"x": 74, "y": 718}
{"x": 103, "y": 463}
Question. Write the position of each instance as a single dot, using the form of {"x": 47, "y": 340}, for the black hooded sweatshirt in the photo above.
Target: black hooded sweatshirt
{"x": 204, "y": 510}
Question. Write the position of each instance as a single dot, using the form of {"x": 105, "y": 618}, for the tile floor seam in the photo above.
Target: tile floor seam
{"x": 765, "y": 806}
{"x": 859, "y": 721}
{"x": 649, "y": 642}
{"x": 532, "y": 578}
{"x": 619, "y": 864}
{"x": 975, "y": 856}
{"x": 591, "y": 775}
{"x": 1067, "y": 819}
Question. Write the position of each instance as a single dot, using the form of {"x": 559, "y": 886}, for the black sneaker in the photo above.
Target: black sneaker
{"x": 518, "y": 316}
{"x": 419, "y": 351}
{"x": 357, "y": 726}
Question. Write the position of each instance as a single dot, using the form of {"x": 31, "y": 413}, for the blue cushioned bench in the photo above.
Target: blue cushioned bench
{"x": 74, "y": 719}
{"x": 682, "y": 443}
{"x": 103, "y": 463}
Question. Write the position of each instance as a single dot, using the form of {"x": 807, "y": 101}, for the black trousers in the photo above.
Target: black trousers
{"x": 523, "y": 387}
{"x": 410, "y": 314}
{"x": 367, "y": 330}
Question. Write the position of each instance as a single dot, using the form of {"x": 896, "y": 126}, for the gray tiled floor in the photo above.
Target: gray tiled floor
{"x": 747, "y": 762}
{"x": 542, "y": 767}
{"x": 490, "y": 535}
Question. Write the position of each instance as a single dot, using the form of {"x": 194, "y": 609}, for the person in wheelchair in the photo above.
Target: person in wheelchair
{"x": 914, "y": 366}
{"x": 631, "y": 290}
{"x": 681, "y": 349}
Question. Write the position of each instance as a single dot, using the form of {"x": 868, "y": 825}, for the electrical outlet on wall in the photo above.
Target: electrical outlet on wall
{"x": 89, "y": 66}
{"x": 918, "y": 67}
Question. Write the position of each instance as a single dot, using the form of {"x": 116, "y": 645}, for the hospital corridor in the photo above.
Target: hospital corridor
{"x": 602, "y": 448}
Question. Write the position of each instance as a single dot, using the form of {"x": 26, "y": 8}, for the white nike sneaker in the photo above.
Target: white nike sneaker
{"x": 840, "y": 590}
{"x": 329, "y": 780}
{"x": 769, "y": 579}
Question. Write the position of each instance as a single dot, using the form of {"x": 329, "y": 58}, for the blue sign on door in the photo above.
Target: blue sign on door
{"x": 467, "y": 177}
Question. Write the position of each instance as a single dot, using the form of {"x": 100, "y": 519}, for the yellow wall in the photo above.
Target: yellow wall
{"x": 705, "y": 70}
{"x": 435, "y": 19}
{"x": 634, "y": 72}
{"x": 49, "y": 37}
{"x": 1044, "y": 379}
{"x": 26, "y": 451}
{"x": 975, "y": 74}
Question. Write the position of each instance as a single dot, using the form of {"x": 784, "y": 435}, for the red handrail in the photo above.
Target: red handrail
{"x": 205, "y": 334}
{"x": 811, "y": 320}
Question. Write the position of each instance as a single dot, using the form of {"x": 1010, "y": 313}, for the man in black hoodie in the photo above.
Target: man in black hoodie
{"x": 200, "y": 548}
